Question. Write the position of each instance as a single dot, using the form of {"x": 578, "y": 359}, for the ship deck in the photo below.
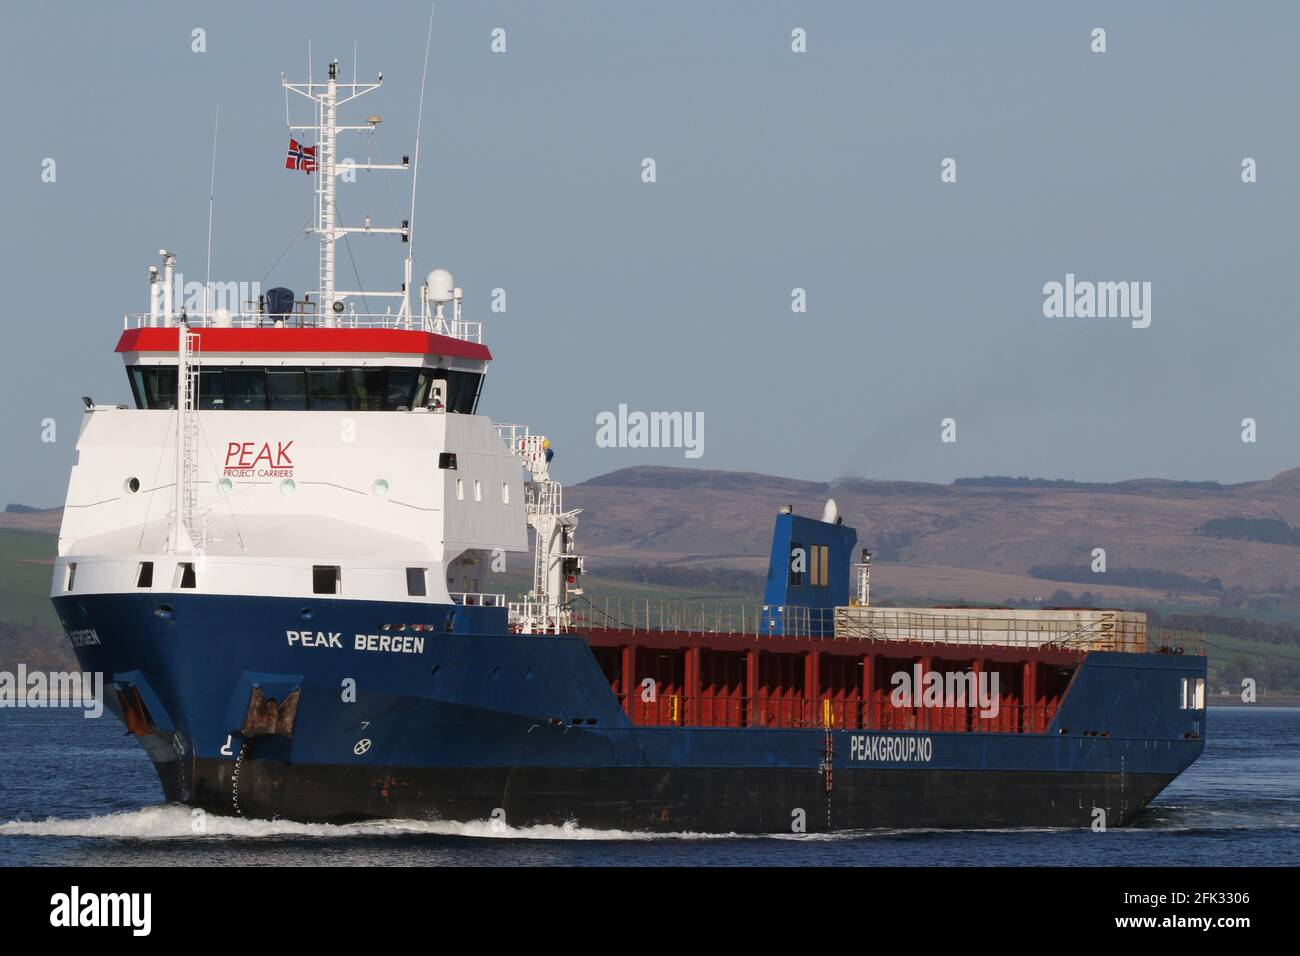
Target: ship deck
{"x": 711, "y": 664}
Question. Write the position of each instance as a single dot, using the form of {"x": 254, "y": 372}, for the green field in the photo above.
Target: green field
{"x": 25, "y": 577}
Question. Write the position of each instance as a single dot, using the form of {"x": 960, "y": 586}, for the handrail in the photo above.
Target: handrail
{"x": 937, "y": 628}
{"x": 478, "y": 599}
{"x": 463, "y": 329}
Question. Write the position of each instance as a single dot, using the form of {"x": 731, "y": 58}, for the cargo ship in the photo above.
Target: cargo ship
{"x": 280, "y": 557}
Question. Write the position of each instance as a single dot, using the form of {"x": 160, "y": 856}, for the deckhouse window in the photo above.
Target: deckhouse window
{"x": 185, "y": 577}
{"x": 325, "y": 579}
{"x": 415, "y": 582}
{"x": 1193, "y": 693}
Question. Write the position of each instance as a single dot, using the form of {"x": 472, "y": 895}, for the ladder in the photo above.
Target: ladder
{"x": 184, "y": 531}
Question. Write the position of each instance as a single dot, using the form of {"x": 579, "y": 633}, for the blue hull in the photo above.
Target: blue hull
{"x": 463, "y": 720}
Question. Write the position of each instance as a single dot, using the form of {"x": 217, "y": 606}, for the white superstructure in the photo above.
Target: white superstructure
{"x": 315, "y": 450}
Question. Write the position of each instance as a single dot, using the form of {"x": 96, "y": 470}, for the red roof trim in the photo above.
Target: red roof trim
{"x": 341, "y": 341}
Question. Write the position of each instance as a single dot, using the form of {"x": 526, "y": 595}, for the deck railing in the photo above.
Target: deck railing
{"x": 478, "y": 599}
{"x": 938, "y": 628}
{"x": 459, "y": 329}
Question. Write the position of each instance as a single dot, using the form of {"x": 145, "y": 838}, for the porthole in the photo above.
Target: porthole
{"x": 305, "y": 614}
{"x": 380, "y": 487}
{"x": 163, "y": 612}
{"x": 132, "y": 485}
{"x": 287, "y": 486}
{"x": 225, "y": 486}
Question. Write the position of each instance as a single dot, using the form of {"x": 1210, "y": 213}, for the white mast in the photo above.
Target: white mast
{"x": 327, "y": 97}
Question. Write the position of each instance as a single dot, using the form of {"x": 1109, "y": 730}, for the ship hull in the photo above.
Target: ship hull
{"x": 461, "y": 720}
{"x": 704, "y": 800}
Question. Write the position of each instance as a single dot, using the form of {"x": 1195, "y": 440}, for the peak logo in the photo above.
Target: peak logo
{"x": 250, "y": 460}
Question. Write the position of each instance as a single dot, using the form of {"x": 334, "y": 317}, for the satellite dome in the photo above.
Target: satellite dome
{"x": 442, "y": 287}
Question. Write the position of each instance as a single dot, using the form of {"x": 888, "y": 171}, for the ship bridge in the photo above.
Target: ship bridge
{"x": 274, "y": 367}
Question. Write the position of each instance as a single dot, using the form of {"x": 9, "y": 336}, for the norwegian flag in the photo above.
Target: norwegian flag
{"x": 300, "y": 157}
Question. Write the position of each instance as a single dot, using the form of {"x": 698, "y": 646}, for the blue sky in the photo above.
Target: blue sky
{"x": 775, "y": 170}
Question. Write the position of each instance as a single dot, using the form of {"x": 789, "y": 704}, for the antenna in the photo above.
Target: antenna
{"x": 212, "y": 182}
{"x": 415, "y": 173}
{"x": 327, "y": 97}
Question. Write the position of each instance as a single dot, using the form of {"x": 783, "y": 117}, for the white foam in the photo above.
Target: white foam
{"x": 173, "y": 822}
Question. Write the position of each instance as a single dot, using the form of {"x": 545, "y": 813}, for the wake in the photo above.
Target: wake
{"x": 174, "y": 822}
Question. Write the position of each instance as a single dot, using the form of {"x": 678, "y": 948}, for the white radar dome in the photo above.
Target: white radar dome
{"x": 442, "y": 287}
{"x": 831, "y": 511}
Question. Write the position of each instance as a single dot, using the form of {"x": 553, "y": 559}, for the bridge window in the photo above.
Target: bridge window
{"x": 401, "y": 383}
{"x": 366, "y": 389}
{"x": 245, "y": 388}
{"x": 212, "y": 388}
{"x": 144, "y": 575}
{"x": 326, "y": 389}
{"x": 462, "y": 390}
{"x": 287, "y": 388}
{"x": 296, "y": 387}
{"x": 154, "y": 386}
{"x": 420, "y": 398}
{"x": 185, "y": 575}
